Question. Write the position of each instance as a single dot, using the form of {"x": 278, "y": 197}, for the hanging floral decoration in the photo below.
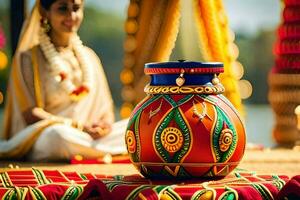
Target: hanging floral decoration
{"x": 2, "y": 38}
{"x": 58, "y": 71}
{"x": 3, "y": 57}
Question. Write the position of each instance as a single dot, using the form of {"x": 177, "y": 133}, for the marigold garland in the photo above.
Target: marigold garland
{"x": 216, "y": 45}
{"x": 152, "y": 28}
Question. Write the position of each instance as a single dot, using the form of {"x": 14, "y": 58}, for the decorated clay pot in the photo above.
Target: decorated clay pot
{"x": 185, "y": 127}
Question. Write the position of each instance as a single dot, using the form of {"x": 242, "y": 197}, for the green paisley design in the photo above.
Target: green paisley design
{"x": 136, "y": 156}
{"x": 176, "y": 116}
{"x": 222, "y": 119}
{"x": 136, "y": 121}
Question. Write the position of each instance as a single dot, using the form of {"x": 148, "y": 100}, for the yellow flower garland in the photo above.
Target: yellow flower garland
{"x": 216, "y": 44}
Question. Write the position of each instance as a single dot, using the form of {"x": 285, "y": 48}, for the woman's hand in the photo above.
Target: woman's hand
{"x": 33, "y": 115}
{"x": 98, "y": 130}
{"x": 42, "y": 114}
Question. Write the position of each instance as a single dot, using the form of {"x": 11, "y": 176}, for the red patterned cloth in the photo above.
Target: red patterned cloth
{"x": 54, "y": 184}
{"x": 291, "y": 190}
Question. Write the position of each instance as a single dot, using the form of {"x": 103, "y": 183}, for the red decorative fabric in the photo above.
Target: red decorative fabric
{"x": 54, "y": 184}
{"x": 95, "y": 188}
{"x": 291, "y": 190}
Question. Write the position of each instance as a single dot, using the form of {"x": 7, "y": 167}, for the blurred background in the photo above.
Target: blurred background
{"x": 253, "y": 21}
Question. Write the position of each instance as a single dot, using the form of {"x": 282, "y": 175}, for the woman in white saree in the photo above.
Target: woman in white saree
{"x": 58, "y": 101}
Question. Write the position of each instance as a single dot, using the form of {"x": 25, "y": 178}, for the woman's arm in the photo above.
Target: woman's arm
{"x": 28, "y": 77}
{"x": 95, "y": 131}
{"x": 34, "y": 113}
{"x": 30, "y": 117}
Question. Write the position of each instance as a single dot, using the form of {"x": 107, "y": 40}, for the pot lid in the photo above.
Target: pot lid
{"x": 182, "y": 66}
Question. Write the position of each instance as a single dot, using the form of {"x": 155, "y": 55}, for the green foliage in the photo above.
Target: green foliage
{"x": 103, "y": 32}
{"x": 257, "y": 58}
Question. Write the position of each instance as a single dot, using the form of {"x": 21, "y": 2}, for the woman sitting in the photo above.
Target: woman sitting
{"x": 58, "y": 101}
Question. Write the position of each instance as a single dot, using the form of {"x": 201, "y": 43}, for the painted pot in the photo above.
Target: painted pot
{"x": 185, "y": 127}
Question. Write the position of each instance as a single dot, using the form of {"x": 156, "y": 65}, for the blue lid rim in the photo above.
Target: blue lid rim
{"x": 184, "y": 64}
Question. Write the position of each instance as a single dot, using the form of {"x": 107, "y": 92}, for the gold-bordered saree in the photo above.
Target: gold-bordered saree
{"x": 17, "y": 138}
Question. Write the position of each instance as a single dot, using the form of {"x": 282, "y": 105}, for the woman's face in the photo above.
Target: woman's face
{"x": 65, "y": 16}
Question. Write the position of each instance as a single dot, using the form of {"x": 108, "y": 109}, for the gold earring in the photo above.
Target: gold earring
{"x": 46, "y": 25}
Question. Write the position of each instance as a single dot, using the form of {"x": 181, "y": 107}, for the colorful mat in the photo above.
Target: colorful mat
{"x": 54, "y": 184}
